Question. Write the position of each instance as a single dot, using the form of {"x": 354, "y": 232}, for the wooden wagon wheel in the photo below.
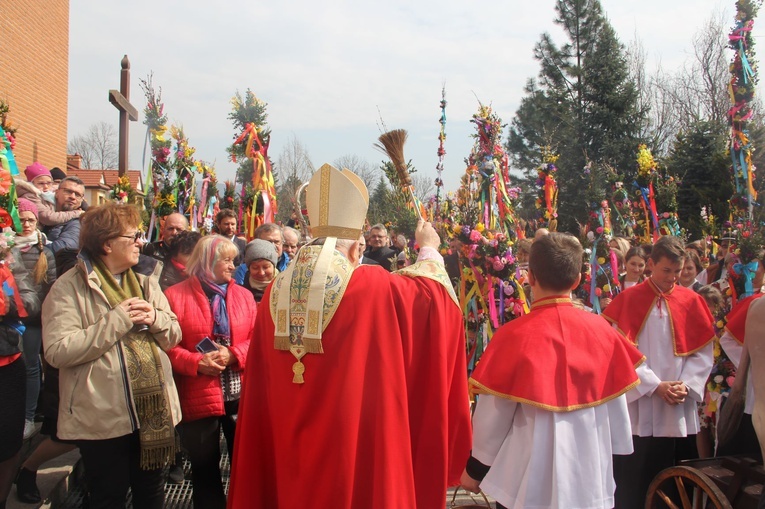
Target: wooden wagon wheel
{"x": 695, "y": 490}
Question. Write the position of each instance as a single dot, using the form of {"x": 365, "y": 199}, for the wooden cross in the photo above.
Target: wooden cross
{"x": 121, "y": 100}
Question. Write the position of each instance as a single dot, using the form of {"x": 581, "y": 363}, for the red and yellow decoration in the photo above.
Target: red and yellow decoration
{"x": 263, "y": 207}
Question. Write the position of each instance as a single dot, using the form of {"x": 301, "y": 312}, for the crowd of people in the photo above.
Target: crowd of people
{"x": 342, "y": 357}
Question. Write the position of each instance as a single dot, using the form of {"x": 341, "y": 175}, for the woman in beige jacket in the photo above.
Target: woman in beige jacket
{"x": 106, "y": 326}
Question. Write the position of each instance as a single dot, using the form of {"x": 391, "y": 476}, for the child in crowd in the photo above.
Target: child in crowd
{"x": 39, "y": 188}
{"x": 544, "y": 432}
{"x": 691, "y": 269}
{"x": 672, "y": 326}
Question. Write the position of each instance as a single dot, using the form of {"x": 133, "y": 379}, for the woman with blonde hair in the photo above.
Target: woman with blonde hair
{"x": 217, "y": 318}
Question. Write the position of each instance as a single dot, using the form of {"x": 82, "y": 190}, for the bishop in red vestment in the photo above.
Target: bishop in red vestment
{"x": 370, "y": 410}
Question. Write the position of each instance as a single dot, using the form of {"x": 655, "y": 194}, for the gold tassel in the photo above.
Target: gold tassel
{"x": 281, "y": 342}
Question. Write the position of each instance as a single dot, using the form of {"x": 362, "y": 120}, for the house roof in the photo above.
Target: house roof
{"x": 106, "y": 179}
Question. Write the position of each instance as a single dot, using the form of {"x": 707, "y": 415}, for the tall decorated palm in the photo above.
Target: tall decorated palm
{"x": 483, "y": 219}
{"x": 257, "y": 203}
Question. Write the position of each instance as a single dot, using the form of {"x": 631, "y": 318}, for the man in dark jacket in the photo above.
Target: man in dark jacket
{"x": 378, "y": 249}
{"x": 69, "y": 196}
{"x": 174, "y": 224}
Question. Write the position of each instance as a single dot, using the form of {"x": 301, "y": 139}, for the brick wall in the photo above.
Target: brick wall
{"x": 34, "y": 77}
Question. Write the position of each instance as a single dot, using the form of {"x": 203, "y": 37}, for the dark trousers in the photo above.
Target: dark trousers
{"x": 114, "y": 465}
{"x": 744, "y": 442}
{"x": 201, "y": 440}
{"x": 633, "y": 473}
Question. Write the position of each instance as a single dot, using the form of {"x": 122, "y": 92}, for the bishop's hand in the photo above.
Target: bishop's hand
{"x": 426, "y": 235}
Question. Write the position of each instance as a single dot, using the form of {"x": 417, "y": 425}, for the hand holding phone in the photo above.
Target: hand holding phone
{"x": 206, "y": 346}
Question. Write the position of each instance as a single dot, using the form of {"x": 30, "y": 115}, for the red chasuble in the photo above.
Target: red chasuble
{"x": 692, "y": 323}
{"x": 382, "y": 420}
{"x": 736, "y": 325}
{"x": 557, "y": 358}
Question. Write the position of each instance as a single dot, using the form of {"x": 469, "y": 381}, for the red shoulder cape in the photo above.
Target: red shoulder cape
{"x": 692, "y": 323}
{"x": 557, "y": 358}
{"x": 736, "y": 325}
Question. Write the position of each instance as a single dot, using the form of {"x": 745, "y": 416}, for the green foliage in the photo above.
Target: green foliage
{"x": 286, "y": 198}
{"x": 582, "y": 105}
{"x": 247, "y": 110}
{"x": 389, "y": 205}
{"x": 229, "y": 200}
{"x": 699, "y": 159}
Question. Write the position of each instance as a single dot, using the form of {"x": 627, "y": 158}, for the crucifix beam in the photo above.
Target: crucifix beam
{"x": 121, "y": 100}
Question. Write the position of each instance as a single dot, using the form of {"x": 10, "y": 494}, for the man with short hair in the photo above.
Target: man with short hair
{"x": 363, "y": 260}
{"x": 291, "y": 241}
{"x": 174, "y": 224}
{"x": 378, "y": 249}
{"x": 717, "y": 270}
{"x": 272, "y": 233}
{"x": 673, "y": 328}
{"x": 226, "y": 223}
{"x": 68, "y": 197}
{"x": 546, "y": 438}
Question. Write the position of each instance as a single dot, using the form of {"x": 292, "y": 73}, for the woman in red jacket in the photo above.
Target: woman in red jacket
{"x": 217, "y": 318}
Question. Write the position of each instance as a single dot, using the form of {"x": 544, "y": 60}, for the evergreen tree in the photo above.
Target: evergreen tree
{"x": 582, "y": 106}
{"x": 699, "y": 158}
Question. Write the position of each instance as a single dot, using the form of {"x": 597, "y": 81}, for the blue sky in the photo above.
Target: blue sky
{"x": 326, "y": 68}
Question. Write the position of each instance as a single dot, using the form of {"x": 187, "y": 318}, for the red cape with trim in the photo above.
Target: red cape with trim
{"x": 383, "y": 418}
{"x": 557, "y": 358}
{"x": 736, "y": 325}
{"x": 692, "y": 323}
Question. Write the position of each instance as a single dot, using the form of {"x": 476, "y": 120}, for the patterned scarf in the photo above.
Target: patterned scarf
{"x": 230, "y": 381}
{"x": 156, "y": 430}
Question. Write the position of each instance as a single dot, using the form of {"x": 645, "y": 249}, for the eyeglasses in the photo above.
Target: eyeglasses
{"x": 71, "y": 192}
{"x": 136, "y": 237}
{"x": 378, "y": 237}
{"x": 30, "y": 220}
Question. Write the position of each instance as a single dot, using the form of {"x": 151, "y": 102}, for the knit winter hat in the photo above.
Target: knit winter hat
{"x": 35, "y": 170}
{"x": 259, "y": 249}
{"x": 57, "y": 173}
{"x": 27, "y": 206}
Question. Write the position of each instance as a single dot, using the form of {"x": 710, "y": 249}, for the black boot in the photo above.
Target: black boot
{"x": 26, "y": 487}
{"x": 175, "y": 474}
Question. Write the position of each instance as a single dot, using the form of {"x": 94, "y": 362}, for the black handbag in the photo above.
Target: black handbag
{"x": 10, "y": 340}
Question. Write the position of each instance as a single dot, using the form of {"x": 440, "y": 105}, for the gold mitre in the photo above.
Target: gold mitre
{"x": 337, "y": 203}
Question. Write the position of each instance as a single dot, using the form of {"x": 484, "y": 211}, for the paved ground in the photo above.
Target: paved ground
{"x": 55, "y": 479}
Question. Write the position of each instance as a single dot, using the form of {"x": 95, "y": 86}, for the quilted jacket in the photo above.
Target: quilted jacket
{"x": 201, "y": 395}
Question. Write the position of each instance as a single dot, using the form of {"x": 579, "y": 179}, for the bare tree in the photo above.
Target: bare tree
{"x": 292, "y": 169}
{"x": 662, "y": 121}
{"x": 294, "y": 162}
{"x": 366, "y": 171}
{"x": 98, "y": 147}
{"x": 424, "y": 186}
